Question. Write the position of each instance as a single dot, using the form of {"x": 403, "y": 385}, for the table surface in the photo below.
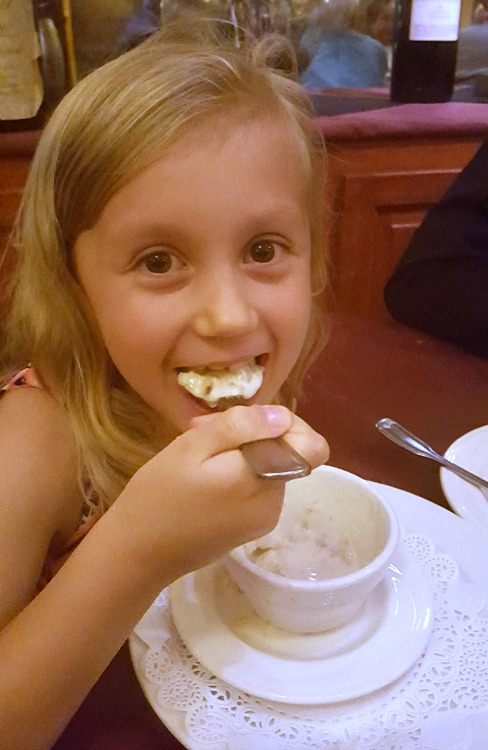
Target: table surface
{"x": 367, "y": 371}
{"x": 372, "y": 369}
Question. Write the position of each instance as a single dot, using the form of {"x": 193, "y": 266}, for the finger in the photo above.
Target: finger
{"x": 306, "y": 441}
{"x": 241, "y": 424}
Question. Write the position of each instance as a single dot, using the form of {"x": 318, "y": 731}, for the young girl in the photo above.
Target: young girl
{"x": 169, "y": 232}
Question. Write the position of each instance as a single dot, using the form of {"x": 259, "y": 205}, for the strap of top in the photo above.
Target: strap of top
{"x": 26, "y": 378}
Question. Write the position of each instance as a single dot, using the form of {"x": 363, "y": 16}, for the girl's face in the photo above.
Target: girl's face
{"x": 203, "y": 260}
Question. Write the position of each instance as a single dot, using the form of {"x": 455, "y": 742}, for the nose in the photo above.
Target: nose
{"x": 224, "y": 306}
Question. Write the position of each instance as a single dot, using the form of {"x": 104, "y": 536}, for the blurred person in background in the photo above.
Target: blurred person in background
{"x": 237, "y": 20}
{"x": 144, "y": 20}
{"x": 340, "y": 56}
{"x": 480, "y": 13}
{"x": 378, "y": 18}
{"x": 472, "y": 53}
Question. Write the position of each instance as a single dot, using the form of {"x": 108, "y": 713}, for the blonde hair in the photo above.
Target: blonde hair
{"x": 109, "y": 128}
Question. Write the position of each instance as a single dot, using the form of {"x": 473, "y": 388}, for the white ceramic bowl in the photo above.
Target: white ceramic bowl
{"x": 332, "y": 546}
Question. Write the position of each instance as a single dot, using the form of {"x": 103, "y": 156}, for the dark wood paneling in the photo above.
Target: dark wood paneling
{"x": 379, "y": 196}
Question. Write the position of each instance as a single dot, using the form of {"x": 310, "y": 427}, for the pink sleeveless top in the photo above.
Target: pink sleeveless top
{"x": 27, "y": 378}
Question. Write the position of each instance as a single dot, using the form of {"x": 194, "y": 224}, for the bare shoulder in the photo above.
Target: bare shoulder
{"x": 37, "y": 447}
{"x": 39, "y": 499}
{"x": 24, "y": 406}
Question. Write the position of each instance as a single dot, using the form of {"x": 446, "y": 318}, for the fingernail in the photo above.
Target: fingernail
{"x": 277, "y": 416}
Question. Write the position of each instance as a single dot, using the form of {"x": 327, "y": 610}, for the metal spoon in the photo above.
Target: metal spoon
{"x": 274, "y": 458}
{"x": 412, "y": 443}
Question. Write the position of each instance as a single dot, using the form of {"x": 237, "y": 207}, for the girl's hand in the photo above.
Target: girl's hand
{"x": 199, "y": 498}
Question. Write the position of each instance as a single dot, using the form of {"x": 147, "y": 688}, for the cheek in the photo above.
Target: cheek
{"x": 122, "y": 317}
{"x": 292, "y": 314}
{"x": 130, "y": 338}
{"x": 300, "y": 298}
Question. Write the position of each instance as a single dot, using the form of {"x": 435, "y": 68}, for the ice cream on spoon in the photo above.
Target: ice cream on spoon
{"x": 239, "y": 382}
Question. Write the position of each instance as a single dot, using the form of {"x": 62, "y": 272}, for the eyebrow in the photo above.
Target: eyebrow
{"x": 134, "y": 225}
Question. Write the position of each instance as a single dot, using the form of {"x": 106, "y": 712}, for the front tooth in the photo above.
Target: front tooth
{"x": 211, "y": 386}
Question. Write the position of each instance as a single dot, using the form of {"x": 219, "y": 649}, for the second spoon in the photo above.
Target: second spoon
{"x": 405, "y": 439}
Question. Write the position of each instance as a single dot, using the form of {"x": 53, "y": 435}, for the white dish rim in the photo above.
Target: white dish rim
{"x": 401, "y": 637}
{"x": 416, "y": 515}
{"x": 464, "y": 498}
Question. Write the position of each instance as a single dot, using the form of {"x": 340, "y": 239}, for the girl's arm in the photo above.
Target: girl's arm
{"x": 183, "y": 509}
{"x": 40, "y": 504}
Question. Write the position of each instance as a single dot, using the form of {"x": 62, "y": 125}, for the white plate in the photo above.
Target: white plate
{"x": 471, "y": 452}
{"x": 232, "y": 642}
{"x": 449, "y": 533}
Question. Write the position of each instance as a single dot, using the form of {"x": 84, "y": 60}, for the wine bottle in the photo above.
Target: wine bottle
{"x": 424, "y": 50}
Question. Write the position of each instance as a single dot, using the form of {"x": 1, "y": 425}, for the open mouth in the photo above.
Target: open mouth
{"x": 240, "y": 382}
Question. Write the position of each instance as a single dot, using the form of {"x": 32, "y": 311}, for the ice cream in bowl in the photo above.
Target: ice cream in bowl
{"x": 332, "y": 546}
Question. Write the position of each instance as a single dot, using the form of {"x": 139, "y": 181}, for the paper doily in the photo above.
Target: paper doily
{"x": 426, "y": 708}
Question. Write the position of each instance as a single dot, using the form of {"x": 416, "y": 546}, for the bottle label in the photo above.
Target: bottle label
{"x": 435, "y": 20}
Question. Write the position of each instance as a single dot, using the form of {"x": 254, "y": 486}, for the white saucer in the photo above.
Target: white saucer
{"x": 471, "y": 452}
{"x": 232, "y": 642}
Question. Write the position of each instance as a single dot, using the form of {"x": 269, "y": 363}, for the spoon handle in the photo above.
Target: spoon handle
{"x": 405, "y": 439}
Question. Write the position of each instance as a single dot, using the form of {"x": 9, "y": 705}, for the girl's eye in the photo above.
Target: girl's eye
{"x": 263, "y": 251}
{"x": 160, "y": 262}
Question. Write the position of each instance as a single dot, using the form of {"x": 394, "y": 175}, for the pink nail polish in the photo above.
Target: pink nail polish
{"x": 277, "y": 416}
